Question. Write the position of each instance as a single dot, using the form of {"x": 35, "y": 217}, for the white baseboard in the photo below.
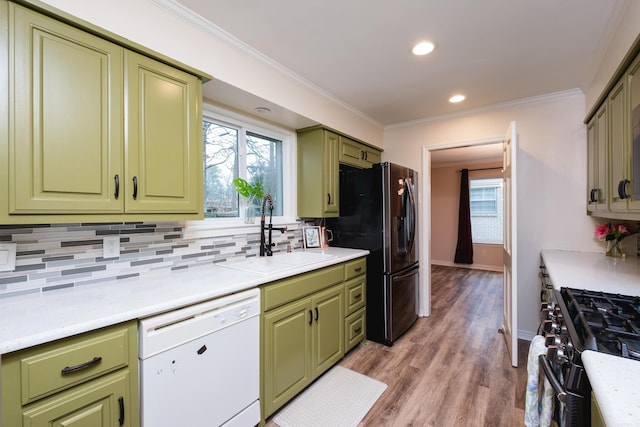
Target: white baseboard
{"x": 469, "y": 266}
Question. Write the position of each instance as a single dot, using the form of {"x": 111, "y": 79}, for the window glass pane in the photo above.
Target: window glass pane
{"x": 486, "y": 210}
{"x": 264, "y": 164}
{"x": 220, "y": 168}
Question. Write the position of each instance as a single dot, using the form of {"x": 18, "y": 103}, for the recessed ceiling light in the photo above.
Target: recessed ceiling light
{"x": 456, "y": 98}
{"x": 423, "y": 48}
{"x": 262, "y": 110}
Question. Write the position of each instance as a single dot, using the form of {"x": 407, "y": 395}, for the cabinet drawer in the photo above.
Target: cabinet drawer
{"x": 56, "y": 366}
{"x": 355, "y": 268}
{"x": 354, "y": 329}
{"x": 355, "y": 294}
{"x": 282, "y": 292}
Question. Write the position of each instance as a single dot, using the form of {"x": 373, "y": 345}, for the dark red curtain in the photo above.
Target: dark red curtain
{"x": 464, "y": 248}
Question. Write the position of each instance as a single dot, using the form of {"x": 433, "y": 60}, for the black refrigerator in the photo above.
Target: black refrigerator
{"x": 378, "y": 212}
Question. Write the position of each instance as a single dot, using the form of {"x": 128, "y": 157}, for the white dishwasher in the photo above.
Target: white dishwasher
{"x": 199, "y": 365}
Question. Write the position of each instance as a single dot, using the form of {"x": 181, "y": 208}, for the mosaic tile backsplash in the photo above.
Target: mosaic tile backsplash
{"x": 58, "y": 256}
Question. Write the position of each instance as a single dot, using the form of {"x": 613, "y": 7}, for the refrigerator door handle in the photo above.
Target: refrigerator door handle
{"x": 412, "y": 272}
{"x": 411, "y": 210}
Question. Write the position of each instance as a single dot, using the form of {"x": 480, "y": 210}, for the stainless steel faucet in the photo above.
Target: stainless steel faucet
{"x": 265, "y": 247}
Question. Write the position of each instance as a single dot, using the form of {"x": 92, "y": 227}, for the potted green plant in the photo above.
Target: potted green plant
{"x": 251, "y": 192}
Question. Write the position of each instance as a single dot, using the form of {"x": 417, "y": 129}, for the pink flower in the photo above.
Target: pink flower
{"x": 601, "y": 231}
{"x": 622, "y": 229}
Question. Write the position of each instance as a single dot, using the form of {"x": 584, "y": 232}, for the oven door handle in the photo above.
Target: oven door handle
{"x": 548, "y": 372}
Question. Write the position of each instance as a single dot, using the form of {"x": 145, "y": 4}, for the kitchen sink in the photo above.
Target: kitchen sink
{"x": 278, "y": 262}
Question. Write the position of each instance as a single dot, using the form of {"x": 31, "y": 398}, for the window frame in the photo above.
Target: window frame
{"x": 289, "y": 169}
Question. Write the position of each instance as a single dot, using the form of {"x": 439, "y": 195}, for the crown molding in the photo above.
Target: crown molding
{"x": 210, "y": 28}
{"x": 531, "y": 100}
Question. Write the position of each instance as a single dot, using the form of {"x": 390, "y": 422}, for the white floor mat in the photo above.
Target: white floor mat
{"x": 340, "y": 398}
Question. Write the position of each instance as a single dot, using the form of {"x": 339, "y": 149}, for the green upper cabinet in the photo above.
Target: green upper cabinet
{"x": 356, "y": 154}
{"x": 633, "y": 141}
{"x": 597, "y": 198}
{"x": 320, "y": 153}
{"x": 94, "y": 128}
{"x": 318, "y": 176}
{"x": 617, "y": 118}
{"x": 65, "y": 97}
{"x": 164, "y": 138}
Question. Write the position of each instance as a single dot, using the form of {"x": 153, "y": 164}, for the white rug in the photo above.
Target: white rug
{"x": 340, "y": 398}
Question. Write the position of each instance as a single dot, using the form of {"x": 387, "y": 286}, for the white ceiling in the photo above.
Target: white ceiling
{"x": 359, "y": 51}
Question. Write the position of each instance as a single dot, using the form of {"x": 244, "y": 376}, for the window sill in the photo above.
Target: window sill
{"x": 213, "y": 228}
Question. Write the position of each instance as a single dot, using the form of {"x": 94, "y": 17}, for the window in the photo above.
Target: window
{"x": 485, "y": 197}
{"x": 236, "y": 146}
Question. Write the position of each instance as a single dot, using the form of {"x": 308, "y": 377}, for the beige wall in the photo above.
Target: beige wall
{"x": 150, "y": 25}
{"x": 445, "y": 199}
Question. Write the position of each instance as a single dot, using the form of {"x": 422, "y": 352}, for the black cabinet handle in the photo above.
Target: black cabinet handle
{"x": 135, "y": 187}
{"x": 366, "y": 155}
{"x": 121, "y": 406}
{"x": 357, "y": 297}
{"x": 310, "y": 317}
{"x": 317, "y": 314}
{"x": 357, "y": 269}
{"x": 69, "y": 369}
{"x": 592, "y": 197}
{"x": 328, "y": 198}
{"x": 622, "y": 189}
{"x": 357, "y": 330}
{"x": 117, "y": 180}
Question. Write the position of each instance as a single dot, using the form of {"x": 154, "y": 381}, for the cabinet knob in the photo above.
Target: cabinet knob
{"x": 592, "y": 196}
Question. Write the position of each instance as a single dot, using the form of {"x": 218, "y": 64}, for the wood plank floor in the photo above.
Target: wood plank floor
{"x": 452, "y": 368}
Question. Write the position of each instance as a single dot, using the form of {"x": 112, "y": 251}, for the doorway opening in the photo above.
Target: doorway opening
{"x": 439, "y": 218}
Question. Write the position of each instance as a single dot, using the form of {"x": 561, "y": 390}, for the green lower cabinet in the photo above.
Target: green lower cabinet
{"x": 308, "y": 323}
{"x": 101, "y": 403}
{"x": 328, "y": 328}
{"x": 87, "y": 380}
{"x": 301, "y": 340}
{"x": 287, "y": 347}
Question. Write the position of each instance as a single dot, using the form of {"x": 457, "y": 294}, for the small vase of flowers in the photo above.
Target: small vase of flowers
{"x": 613, "y": 235}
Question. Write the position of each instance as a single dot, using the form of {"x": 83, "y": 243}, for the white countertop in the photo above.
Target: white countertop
{"x": 34, "y": 319}
{"x": 614, "y": 379}
{"x": 593, "y": 271}
{"x": 615, "y": 384}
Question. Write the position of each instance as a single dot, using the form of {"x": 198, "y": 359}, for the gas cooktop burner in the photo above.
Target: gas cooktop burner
{"x": 605, "y": 322}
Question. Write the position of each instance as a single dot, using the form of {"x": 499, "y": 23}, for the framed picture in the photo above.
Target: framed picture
{"x": 311, "y": 237}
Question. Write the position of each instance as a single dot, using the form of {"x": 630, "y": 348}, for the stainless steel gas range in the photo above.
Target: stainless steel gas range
{"x": 589, "y": 303}
{"x": 575, "y": 320}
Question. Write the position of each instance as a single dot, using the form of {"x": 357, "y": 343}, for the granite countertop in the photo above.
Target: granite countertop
{"x": 34, "y": 319}
{"x": 614, "y": 379}
{"x": 615, "y": 384}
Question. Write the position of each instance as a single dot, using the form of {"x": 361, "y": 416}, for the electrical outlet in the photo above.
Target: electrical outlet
{"x": 111, "y": 247}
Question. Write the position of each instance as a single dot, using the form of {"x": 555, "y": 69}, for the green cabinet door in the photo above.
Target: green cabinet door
{"x": 328, "y": 344}
{"x": 287, "y": 341}
{"x": 597, "y": 197}
{"x": 355, "y": 154}
{"x": 318, "y": 176}
{"x": 617, "y": 110}
{"x": 633, "y": 140}
{"x": 65, "y": 121}
{"x": 100, "y": 403}
{"x": 164, "y": 138}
